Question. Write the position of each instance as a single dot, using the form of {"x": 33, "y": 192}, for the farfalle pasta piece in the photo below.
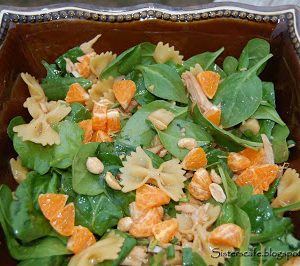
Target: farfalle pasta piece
{"x": 102, "y": 90}
{"x": 164, "y": 53}
{"x": 87, "y": 47}
{"x": 18, "y": 170}
{"x": 35, "y": 89}
{"x": 99, "y": 62}
{"x": 105, "y": 249}
{"x": 138, "y": 170}
{"x": 288, "y": 189}
{"x": 57, "y": 111}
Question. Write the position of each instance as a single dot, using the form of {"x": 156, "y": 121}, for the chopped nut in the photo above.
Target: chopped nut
{"x": 125, "y": 223}
{"x": 215, "y": 177}
{"x": 162, "y": 153}
{"x": 112, "y": 182}
{"x": 161, "y": 118}
{"x": 187, "y": 143}
{"x": 94, "y": 165}
{"x": 156, "y": 149}
{"x": 19, "y": 172}
{"x": 217, "y": 192}
{"x": 250, "y": 124}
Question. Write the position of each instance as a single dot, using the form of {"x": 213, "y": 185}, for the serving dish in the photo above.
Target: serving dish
{"x": 28, "y": 37}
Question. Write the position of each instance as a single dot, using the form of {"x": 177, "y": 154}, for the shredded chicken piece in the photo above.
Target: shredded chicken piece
{"x": 268, "y": 150}
{"x": 196, "y": 92}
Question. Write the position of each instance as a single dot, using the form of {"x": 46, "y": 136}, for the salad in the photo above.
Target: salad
{"x": 148, "y": 159}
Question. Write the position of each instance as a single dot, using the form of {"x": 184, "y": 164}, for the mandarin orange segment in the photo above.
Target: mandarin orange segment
{"x": 101, "y": 136}
{"x": 213, "y": 115}
{"x": 209, "y": 82}
{"x": 124, "y": 91}
{"x": 195, "y": 159}
{"x": 99, "y": 108}
{"x": 87, "y": 126}
{"x": 199, "y": 186}
{"x": 51, "y": 204}
{"x": 237, "y": 162}
{"x": 113, "y": 121}
{"x": 229, "y": 235}
{"x": 148, "y": 196}
{"x": 64, "y": 221}
{"x": 165, "y": 231}
{"x": 99, "y": 122}
{"x": 83, "y": 67}
{"x": 259, "y": 176}
{"x": 142, "y": 226}
{"x": 76, "y": 94}
{"x": 81, "y": 239}
{"x": 255, "y": 156}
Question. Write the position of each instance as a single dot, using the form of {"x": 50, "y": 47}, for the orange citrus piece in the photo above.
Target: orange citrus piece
{"x": 99, "y": 117}
{"x": 113, "y": 121}
{"x": 229, "y": 235}
{"x": 124, "y": 91}
{"x": 64, "y": 221}
{"x": 142, "y": 226}
{"x": 150, "y": 196}
{"x": 80, "y": 239}
{"x": 83, "y": 67}
{"x": 87, "y": 126}
{"x": 195, "y": 159}
{"x": 209, "y": 82}
{"x": 76, "y": 94}
{"x": 165, "y": 231}
{"x": 51, "y": 204}
{"x": 101, "y": 136}
{"x": 213, "y": 115}
{"x": 255, "y": 156}
{"x": 259, "y": 176}
{"x": 237, "y": 162}
{"x": 199, "y": 185}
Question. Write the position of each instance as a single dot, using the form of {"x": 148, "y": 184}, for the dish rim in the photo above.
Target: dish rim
{"x": 10, "y": 15}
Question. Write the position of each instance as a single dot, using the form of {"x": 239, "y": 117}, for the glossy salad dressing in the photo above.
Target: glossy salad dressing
{"x": 27, "y": 45}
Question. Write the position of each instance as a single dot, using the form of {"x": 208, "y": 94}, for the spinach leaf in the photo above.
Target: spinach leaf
{"x": 215, "y": 155}
{"x": 221, "y": 136}
{"x": 190, "y": 258}
{"x": 129, "y": 59}
{"x": 272, "y": 190}
{"x": 255, "y": 50}
{"x": 107, "y": 154}
{"x": 71, "y": 137}
{"x": 52, "y": 71}
{"x": 230, "y": 65}
{"x": 46, "y": 261}
{"x": 98, "y": 213}
{"x": 128, "y": 245}
{"x": 206, "y": 61}
{"x": 84, "y": 182}
{"x": 131, "y": 136}
{"x": 156, "y": 160}
{"x": 57, "y": 88}
{"x": 279, "y": 145}
{"x": 268, "y": 93}
{"x": 170, "y": 137}
{"x": 66, "y": 185}
{"x": 229, "y": 185}
{"x": 72, "y": 54}
{"x": 34, "y": 156}
{"x": 239, "y": 95}
{"x": 264, "y": 225}
{"x": 28, "y": 222}
{"x": 18, "y": 120}
{"x": 78, "y": 113}
{"x": 44, "y": 247}
{"x": 226, "y": 215}
{"x": 268, "y": 112}
{"x": 157, "y": 259}
{"x": 244, "y": 194}
{"x": 142, "y": 95}
{"x": 164, "y": 82}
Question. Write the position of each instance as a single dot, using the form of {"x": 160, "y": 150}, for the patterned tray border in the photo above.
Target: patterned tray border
{"x": 287, "y": 14}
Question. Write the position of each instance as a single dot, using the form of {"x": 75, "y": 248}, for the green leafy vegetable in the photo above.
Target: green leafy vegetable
{"x": 268, "y": 93}
{"x": 279, "y": 145}
{"x": 229, "y": 185}
{"x": 63, "y": 154}
{"x": 164, "y": 82}
{"x": 230, "y": 65}
{"x": 240, "y": 95}
{"x": 57, "y": 88}
{"x": 255, "y": 50}
{"x": 190, "y": 258}
{"x": 268, "y": 112}
{"x": 52, "y": 71}
{"x": 18, "y": 120}
{"x": 170, "y": 252}
{"x": 78, "y": 113}
{"x": 34, "y": 156}
{"x": 84, "y": 182}
{"x": 97, "y": 213}
{"x": 72, "y": 54}
{"x": 46, "y": 261}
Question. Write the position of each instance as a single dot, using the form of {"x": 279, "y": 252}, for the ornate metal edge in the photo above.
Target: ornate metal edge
{"x": 287, "y": 14}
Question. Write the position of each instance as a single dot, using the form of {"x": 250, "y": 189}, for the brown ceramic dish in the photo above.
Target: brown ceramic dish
{"x": 44, "y": 34}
